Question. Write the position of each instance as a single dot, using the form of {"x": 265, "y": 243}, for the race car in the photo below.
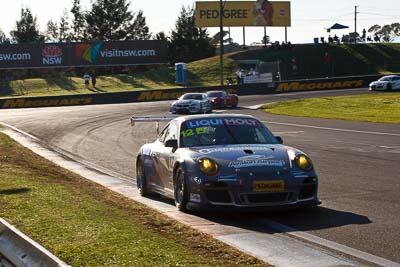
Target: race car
{"x": 386, "y": 83}
{"x": 191, "y": 103}
{"x": 224, "y": 161}
{"x": 221, "y": 99}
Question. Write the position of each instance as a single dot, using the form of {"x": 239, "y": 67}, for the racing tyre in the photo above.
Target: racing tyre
{"x": 180, "y": 190}
{"x": 141, "y": 181}
{"x": 389, "y": 86}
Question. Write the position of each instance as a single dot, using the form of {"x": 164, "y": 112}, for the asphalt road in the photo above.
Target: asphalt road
{"x": 357, "y": 163}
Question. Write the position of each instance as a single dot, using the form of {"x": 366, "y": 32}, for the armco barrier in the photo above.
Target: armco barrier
{"x": 20, "y": 250}
{"x": 170, "y": 94}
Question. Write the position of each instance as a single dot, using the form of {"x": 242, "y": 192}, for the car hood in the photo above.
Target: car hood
{"x": 255, "y": 157}
{"x": 379, "y": 82}
{"x": 186, "y": 101}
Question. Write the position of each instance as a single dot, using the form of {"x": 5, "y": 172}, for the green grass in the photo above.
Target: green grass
{"x": 380, "y": 107}
{"x": 85, "y": 224}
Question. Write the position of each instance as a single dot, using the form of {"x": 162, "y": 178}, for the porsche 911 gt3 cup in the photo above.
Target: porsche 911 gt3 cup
{"x": 224, "y": 161}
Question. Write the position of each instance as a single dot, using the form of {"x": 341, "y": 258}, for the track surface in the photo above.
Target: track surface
{"x": 357, "y": 163}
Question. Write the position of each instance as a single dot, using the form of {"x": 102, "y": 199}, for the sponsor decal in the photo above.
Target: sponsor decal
{"x": 241, "y": 121}
{"x": 252, "y": 157}
{"x": 256, "y": 163}
{"x": 52, "y": 55}
{"x": 88, "y": 52}
{"x": 204, "y": 123}
{"x": 24, "y": 103}
{"x": 233, "y": 149}
{"x": 217, "y": 122}
{"x": 295, "y": 86}
{"x": 158, "y": 95}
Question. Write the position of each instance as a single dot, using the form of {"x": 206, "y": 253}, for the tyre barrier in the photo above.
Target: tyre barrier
{"x": 21, "y": 251}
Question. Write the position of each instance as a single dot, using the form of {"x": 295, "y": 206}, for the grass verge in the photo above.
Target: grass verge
{"x": 85, "y": 224}
{"x": 374, "y": 107}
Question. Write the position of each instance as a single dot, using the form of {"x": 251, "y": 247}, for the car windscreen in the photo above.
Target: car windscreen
{"x": 192, "y": 96}
{"x": 385, "y": 79}
{"x": 215, "y": 94}
{"x": 223, "y": 131}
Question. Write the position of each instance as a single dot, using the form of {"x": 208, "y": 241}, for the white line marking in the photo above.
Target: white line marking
{"x": 332, "y": 245}
{"x": 331, "y": 129}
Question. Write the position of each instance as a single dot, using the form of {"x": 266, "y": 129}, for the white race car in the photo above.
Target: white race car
{"x": 191, "y": 103}
{"x": 386, "y": 83}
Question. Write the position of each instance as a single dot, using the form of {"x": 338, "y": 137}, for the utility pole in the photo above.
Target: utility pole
{"x": 221, "y": 41}
{"x": 355, "y": 24}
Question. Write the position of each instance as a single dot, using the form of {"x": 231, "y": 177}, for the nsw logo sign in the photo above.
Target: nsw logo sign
{"x": 52, "y": 55}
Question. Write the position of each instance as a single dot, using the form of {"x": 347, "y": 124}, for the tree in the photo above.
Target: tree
{"x": 266, "y": 39}
{"x": 140, "y": 29}
{"x": 51, "y": 33}
{"x": 188, "y": 42}
{"x": 112, "y": 20}
{"x": 64, "y": 29}
{"x": 161, "y": 36}
{"x": 3, "y": 38}
{"x": 216, "y": 38}
{"x": 26, "y": 29}
{"x": 79, "y": 24}
{"x": 387, "y": 32}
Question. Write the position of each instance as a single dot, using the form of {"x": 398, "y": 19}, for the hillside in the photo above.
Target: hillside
{"x": 352, "y": 59}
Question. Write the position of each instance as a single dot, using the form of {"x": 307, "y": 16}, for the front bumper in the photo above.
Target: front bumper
{"x": 185, "y": 110}
{"x": 217, "y": 195}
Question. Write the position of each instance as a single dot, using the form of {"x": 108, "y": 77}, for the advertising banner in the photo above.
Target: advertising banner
{"x": 243, "y": 13}
{"x": 53, "y": 55}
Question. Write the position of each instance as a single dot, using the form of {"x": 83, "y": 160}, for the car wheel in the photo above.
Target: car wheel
{"x": 180, "y": 190}
{"x": 141, "y": 181}
{"x": 389, "y": 86}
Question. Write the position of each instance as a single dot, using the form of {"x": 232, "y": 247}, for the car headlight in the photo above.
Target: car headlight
{"x": 303, "y": 162}
{"x": 208, "y": 166}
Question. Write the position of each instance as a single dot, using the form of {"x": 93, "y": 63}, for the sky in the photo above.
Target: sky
{"x": 310, "y": 18}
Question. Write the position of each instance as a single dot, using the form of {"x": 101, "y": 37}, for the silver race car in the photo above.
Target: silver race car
{"x": 388, "y": 82}
{"x": 191, "y": 103}
{"x": 224, "y": 161}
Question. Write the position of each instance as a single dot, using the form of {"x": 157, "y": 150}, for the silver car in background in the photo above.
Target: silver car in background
{"x": 191, "y": 103}
{"x": 388, "y": 82}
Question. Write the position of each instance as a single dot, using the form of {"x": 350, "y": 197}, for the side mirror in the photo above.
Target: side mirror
{"x": 279, "y": 139}
{"x": 171, "y": 143}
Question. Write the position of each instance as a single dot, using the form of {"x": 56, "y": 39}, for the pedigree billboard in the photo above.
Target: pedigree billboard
{"x": 53, "y": 55}
{"x": 243, "y": 13}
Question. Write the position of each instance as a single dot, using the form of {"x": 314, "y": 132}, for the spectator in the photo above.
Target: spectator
{"x": 86, "y": 78}
{"x": 327, "y": 63}
{"x": 322, "y": 40}
{"x": 239, "y": 76}
{"x": 93, "y": 80}
{"x": 336, "y": 39}
{"x": 330, "y": 39}
{"x": 293, "y": 62}
{"x": 252, "y": 72}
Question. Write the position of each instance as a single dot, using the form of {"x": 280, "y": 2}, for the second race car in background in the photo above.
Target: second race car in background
{"x": 191, "y": 103}
{"x": 221, "y": 99}
{"x": 388, "y": 82}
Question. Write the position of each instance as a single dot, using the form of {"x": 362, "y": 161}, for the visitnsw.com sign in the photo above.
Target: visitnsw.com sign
{"x": 51, "y": 55}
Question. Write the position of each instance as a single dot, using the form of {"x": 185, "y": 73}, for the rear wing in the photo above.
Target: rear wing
{"x": 155, "y": 119}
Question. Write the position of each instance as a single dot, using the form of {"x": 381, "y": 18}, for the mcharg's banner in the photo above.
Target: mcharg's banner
{"x": 50, "y": 55}
{"x": 243, "y": 13}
